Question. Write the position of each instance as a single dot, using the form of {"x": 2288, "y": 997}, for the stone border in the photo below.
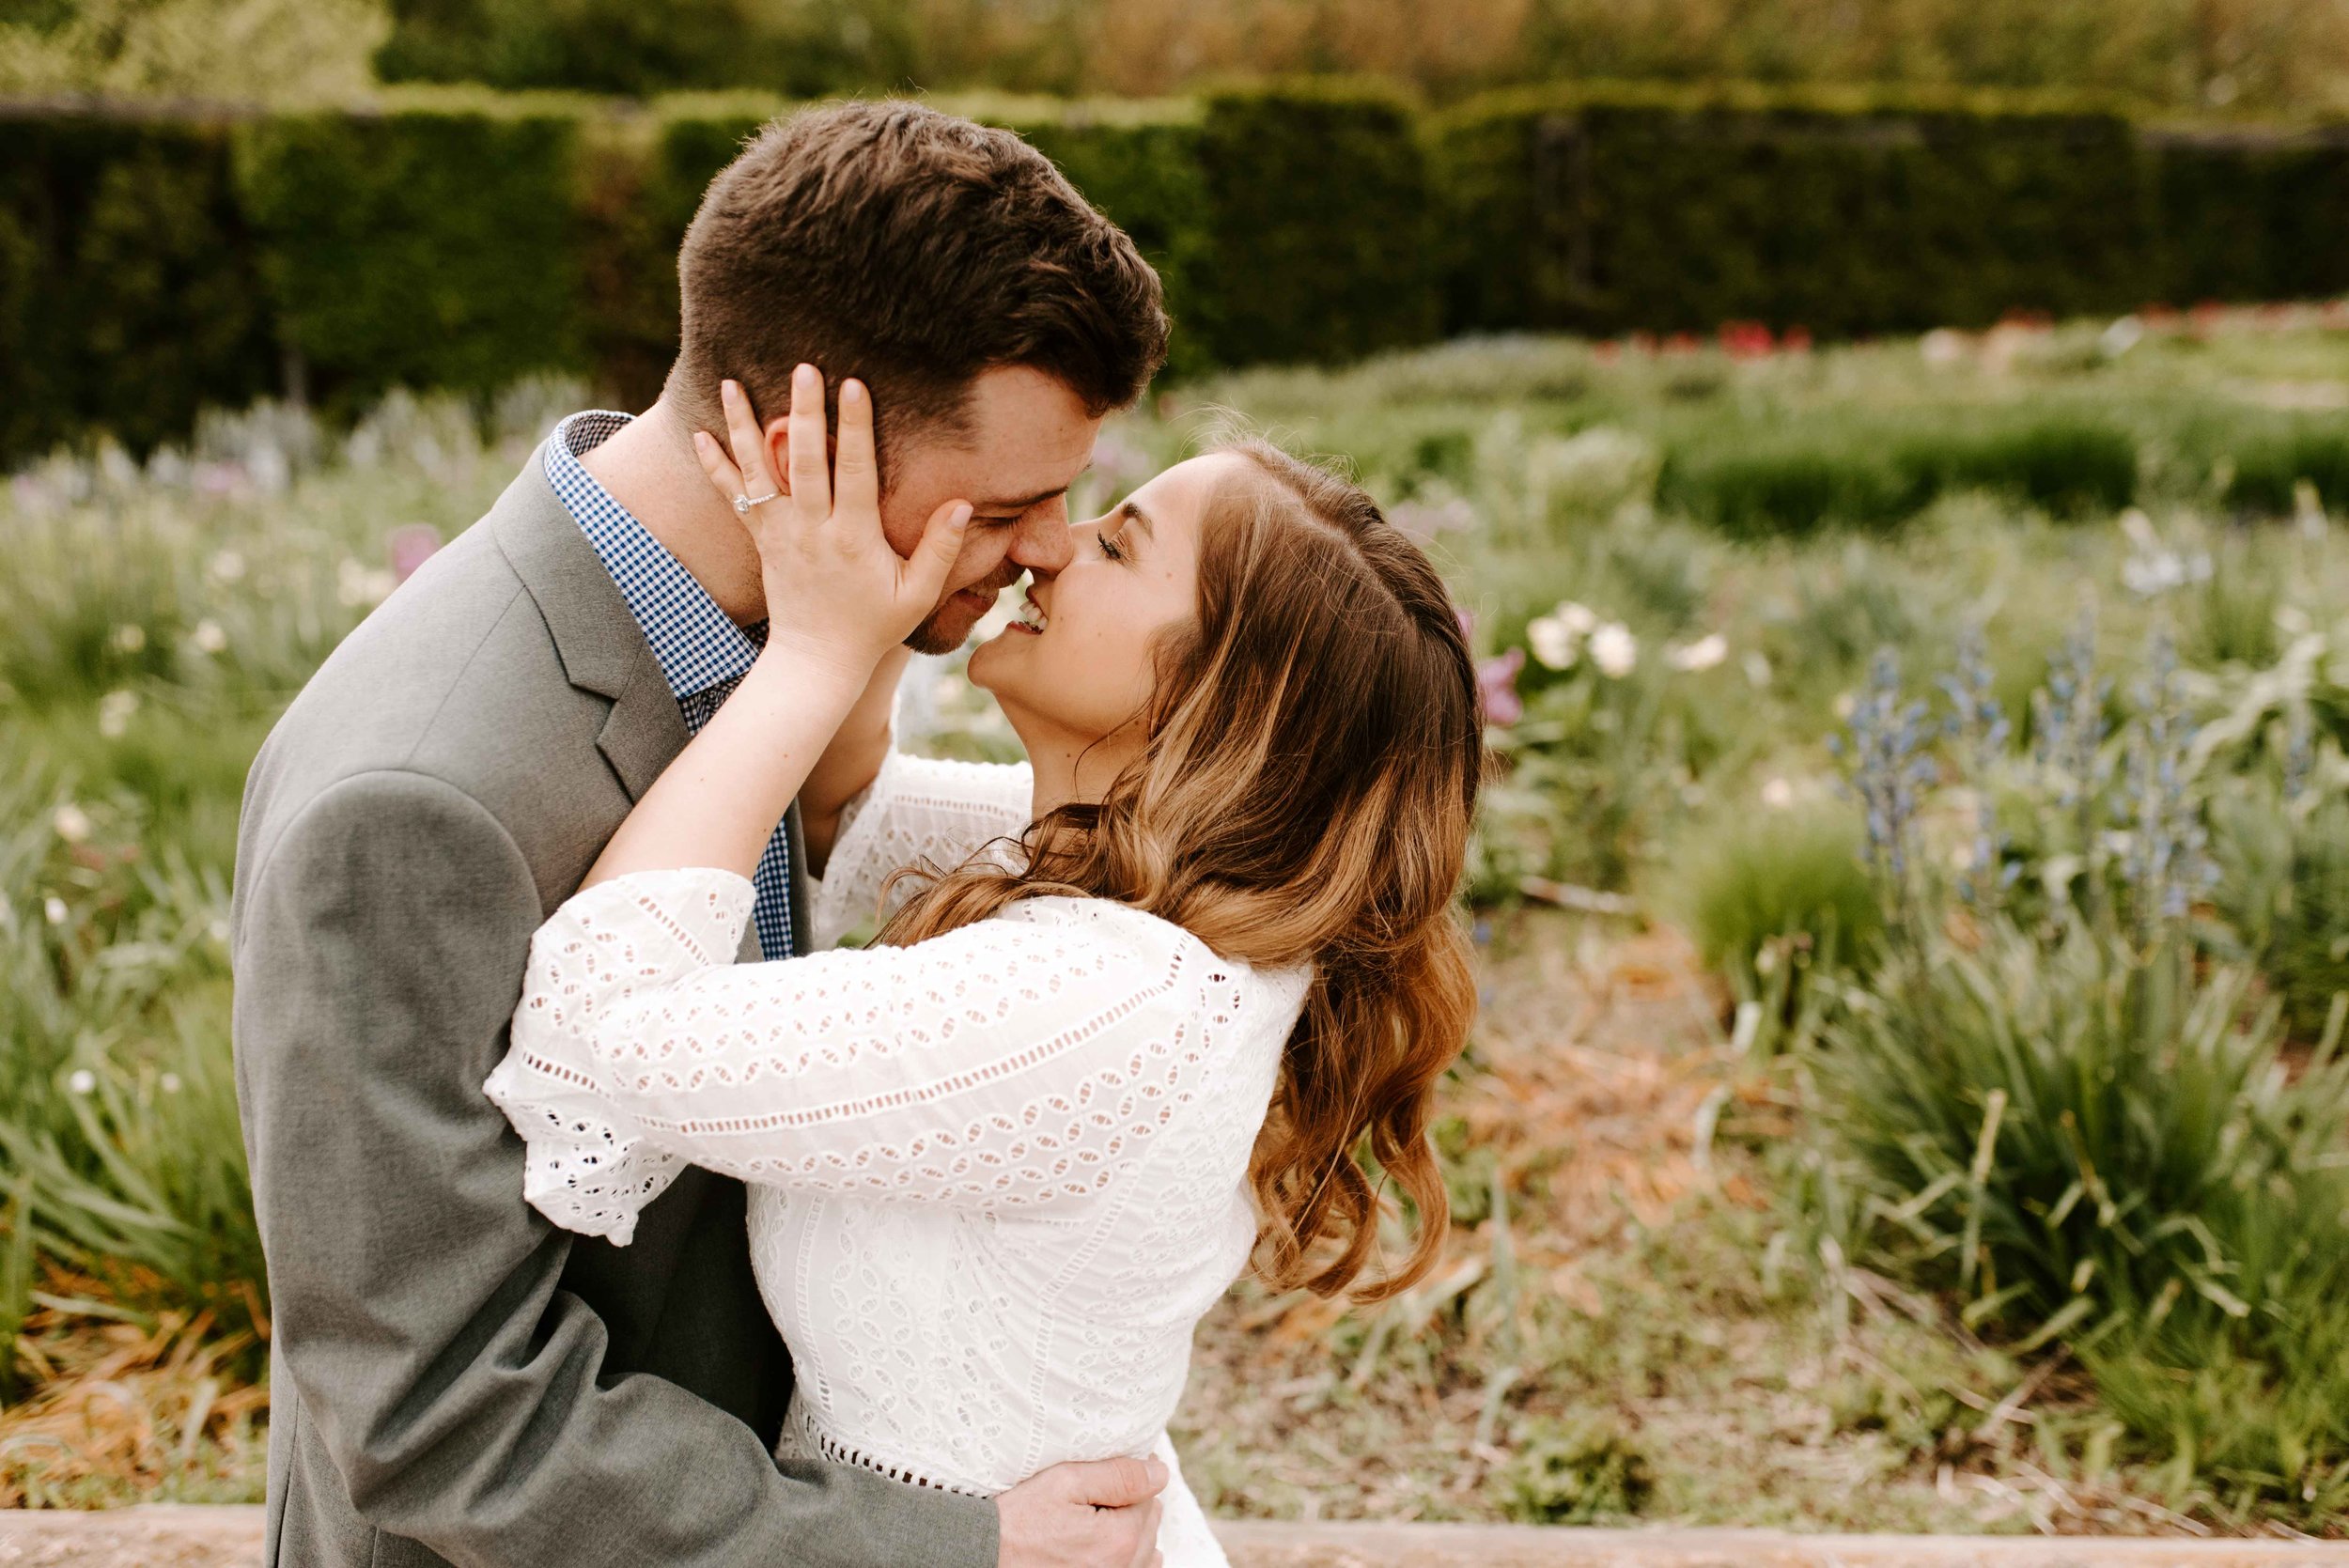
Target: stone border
{"x": 186, "y": 1537}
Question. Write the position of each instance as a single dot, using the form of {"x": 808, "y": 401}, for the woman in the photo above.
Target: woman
{"x": 1159, "y": 988}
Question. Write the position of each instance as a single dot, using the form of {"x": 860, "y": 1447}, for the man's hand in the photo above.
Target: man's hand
{"x": 1101, "y": 1514}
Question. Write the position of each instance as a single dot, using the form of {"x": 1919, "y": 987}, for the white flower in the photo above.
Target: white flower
{"x": 71, "y": 823}
{"x": 1703, "y": 654}
{"x": 114, "y": 713}
{"x": 210, "y": 637}
{"x": 129, "y": 638}
{"x": 228, "y": 566}
{"x": 2307, "y": 508}
{"x": 1553, "y": 642}
{"x": 1581, "y": 619}
{"x": 355, "y": 584}
{"x": 1942, "y": 346}
{"x": 1757, "y": 667}
{"x": 54, "y": 908}
{"x": 170, "y": 1083}
{"x": 1614, "y": 650}
{"x": 83, "y": 1081}
{"x": 1778, "y": 794}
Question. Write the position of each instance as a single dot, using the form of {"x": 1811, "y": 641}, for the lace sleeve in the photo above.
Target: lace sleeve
{"x": 918, "y": 811}
{"x": 1019, "y": 1062}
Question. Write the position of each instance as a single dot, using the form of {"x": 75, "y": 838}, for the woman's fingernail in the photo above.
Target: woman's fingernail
{"x": 962, "y": 513}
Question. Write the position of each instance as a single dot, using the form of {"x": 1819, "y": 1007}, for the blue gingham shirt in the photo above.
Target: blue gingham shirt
{"x": 700, "y": 650}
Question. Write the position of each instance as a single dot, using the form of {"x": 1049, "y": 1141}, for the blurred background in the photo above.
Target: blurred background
{"x": 1893, "y": 453}
{"x": 2271, "y": 56}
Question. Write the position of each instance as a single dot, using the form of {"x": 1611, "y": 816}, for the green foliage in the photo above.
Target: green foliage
{"x": 2286, "y": 892}
{"x": 424, "y": 248}
{"x": 1317, "y": 212}
{"x": 129, "y": 292}
{"x": 1605, "y": 208}
{"x": 2234, "y": 618}
{"x": 638, "y": 48}
{"x": 459, "y": 240}
{"x": 1576, "y": 1469}
{"x": 2096, "y": 1143}
{"x": 2263, "y": 213}
{"x": 2268, "y": 471}
{"x": 1874, "y": 473}
{"x": 1792, "y": 881}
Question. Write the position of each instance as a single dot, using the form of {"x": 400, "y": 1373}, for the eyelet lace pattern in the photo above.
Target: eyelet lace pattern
{"x": 996, "y": 1177}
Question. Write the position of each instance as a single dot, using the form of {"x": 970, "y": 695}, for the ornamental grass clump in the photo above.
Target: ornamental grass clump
{"x": 1787, "y": 888}
{"x": 2082, "y": 1129}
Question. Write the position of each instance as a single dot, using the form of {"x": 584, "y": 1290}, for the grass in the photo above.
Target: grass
{"x": 1660, "y": 1303}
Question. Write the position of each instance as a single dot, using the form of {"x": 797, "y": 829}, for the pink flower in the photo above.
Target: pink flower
{"x": 1747, "y": 339}
{"x": 411, "y": 548}
{"x": 1497, "y": 687}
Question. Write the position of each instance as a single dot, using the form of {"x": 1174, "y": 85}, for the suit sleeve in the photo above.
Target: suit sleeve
{"x": 417, "y": 1300}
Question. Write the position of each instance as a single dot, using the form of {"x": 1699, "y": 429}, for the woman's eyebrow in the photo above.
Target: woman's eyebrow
{"x": 1129, "y": 512}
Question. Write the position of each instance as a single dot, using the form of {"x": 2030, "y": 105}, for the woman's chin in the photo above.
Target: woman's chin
{"x": 980, "y": 667}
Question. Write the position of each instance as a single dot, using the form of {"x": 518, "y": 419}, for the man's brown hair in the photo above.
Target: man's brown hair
{"x": 913, "y": 250}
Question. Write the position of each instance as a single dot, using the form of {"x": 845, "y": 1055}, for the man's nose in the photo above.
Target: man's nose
{"x": 1042, "y": 542}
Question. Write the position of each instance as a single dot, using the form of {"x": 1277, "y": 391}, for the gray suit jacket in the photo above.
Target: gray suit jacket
{"x": 453, "y": 1379}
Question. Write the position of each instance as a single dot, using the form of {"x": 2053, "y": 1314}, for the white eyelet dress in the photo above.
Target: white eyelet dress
{"x": 996, "y": 1177}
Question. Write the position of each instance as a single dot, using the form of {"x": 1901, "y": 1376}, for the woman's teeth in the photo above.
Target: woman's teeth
{"x": 1030, "y": 616}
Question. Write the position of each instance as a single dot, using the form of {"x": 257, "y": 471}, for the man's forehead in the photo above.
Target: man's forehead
{"x": 997, "y": 468}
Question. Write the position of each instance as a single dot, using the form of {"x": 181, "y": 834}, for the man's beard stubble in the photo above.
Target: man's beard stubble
{"x": 933, "y": 637}
{"x": 938, "y": 635}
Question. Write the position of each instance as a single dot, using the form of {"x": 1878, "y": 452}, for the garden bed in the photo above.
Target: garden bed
{"x": 1687, "y": 1284}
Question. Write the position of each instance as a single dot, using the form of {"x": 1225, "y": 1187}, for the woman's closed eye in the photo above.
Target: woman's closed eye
{"x": 1113, "y": 546}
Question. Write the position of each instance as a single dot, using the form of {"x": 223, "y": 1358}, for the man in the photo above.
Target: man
{"x": 454, "y": 1381}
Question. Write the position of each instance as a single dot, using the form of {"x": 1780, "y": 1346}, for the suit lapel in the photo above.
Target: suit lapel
{"x": 602, "y": 647}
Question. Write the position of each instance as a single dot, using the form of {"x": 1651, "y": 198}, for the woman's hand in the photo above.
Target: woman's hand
{"x": 836, "y": 592}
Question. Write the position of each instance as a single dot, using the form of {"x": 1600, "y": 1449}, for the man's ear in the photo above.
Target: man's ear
{"x": 778, "y": 434}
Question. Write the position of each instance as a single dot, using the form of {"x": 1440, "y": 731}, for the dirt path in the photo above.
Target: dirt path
{"x": 231, "y": 1538}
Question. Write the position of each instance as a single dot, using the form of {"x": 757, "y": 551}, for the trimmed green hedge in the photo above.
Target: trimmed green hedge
{"x": 1874, "y": 473}
{"x": 130, "y": 291}
{"x": 461, "y": 240}
{"x": 1609, "y": 208}
{"x": 419, "y": 249}
{"x": 2245, "y": 216}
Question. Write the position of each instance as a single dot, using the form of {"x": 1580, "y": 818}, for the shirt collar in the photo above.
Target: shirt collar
{"x": 697, "y": 644}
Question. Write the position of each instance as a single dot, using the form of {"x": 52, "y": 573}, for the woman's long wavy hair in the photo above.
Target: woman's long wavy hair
{"x": 1303, "y": 796}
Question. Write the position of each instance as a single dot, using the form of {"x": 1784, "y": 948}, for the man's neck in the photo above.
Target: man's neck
{"x": 649, "y": 467}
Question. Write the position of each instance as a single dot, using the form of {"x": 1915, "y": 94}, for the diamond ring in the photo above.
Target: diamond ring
{"x": 742, "y": 504}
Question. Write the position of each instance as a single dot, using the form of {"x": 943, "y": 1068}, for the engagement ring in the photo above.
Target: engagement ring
{"x": 742, "y": 504}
